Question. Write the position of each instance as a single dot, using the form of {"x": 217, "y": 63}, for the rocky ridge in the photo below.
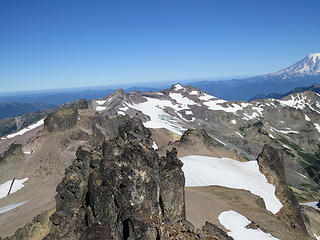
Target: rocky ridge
{"x": 121, "y": 189}
{"x": 289, "y": 124}
{"x": 271, "y": 164}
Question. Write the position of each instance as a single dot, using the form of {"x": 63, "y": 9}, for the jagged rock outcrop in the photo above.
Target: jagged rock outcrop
{"x": 61, "y": 120}
{"x": 121, "y": 189}
{"x": 271, "y": 164}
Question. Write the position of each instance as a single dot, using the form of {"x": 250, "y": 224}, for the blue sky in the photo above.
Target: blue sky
{"x": 61, "y": 44}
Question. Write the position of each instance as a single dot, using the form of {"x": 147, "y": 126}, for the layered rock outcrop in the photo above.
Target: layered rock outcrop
{"x": 271, "y": 164}
{"x": 61, "y": 120}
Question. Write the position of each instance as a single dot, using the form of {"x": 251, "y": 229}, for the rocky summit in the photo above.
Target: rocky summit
{"x": 121, "y": 189}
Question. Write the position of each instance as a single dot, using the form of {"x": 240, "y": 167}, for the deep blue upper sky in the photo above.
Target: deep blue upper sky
{"x": 72, "y": 43}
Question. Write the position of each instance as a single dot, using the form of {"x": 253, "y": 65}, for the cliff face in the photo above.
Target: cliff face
{"x": 272, "y": 165}
{"x": 61, "y": 120}
{"x": 121, "y": 189}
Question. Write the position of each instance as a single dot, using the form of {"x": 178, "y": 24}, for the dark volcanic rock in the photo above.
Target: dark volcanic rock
{"x": 271, "y": 164}
{"x": 216, "y": 231}
{"x": 121, "y": 189}
{"x": 172, "y": 183}
{"x": 61, "y": 120}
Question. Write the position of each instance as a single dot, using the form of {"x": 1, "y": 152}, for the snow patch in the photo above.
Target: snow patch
{"x": 194, "y": 92}
{"x": 101, "y": 102}
{"x": 238, "y": 134}
{"x": 17, "y": 185}
{"x": 100, "y": 108}
{"x": 207, "y": 97}
{"x": 227, "y": 172}
{"x": 271, "y": 136}
{"x": 302, "y": 175}
{"x": 317, "y": 126}
{"x": 125, "y": 108}
{"x": 11, "y": 207}
{"x": 178, "y": 87}
{"x": 154, "y": 145}
{"x": 248, "y": 117}
{"x": 237, "y": 223}
{"x": 272, "y": 129}
{"x": 25, "y": 130}
{"x": 233, "y": 121}
{"x": 182, "y": 101}
{"x": 311, "y": 204}
{"x": 306, "y": 117}
{"x": 215, "y": 106}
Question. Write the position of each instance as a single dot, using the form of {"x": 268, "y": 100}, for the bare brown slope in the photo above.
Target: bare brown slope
{"x": 206, "y": 203}
{"x": 51, "y": 153}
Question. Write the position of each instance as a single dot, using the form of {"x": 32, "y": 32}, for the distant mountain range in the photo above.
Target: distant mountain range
{"x": 15, "y": 105}
{"x": 310, "y": 65}
{"x": 314, "y": 88}
{"x": 303, "y": 73}
{"x": 11, "y": 109}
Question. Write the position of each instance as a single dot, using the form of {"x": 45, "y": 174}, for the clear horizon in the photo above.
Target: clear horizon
{"x": 76, "y": 44}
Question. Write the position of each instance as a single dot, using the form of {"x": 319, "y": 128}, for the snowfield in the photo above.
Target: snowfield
{"x": 154, "y": 108}
{"x": 227, "y": 172}
{"x": 311, "y": 204}
{"x": 11, "y": 207}
{"x": 236, "y": 224}
{"x": 154, "y": 145}
{"x": 101, "y": 102}
{"x": 100, "y": 108}
{"x": 24, "y": 130}
{"x": 17, "y": 185}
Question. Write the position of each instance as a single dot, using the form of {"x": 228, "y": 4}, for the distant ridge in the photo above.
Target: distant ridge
{"x": 314, "y": 88}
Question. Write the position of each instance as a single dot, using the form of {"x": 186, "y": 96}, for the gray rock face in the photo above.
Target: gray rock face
{"x": 121, "y": 189}
{"x": 271, "y": 164}
{"x": 61, "y": 120}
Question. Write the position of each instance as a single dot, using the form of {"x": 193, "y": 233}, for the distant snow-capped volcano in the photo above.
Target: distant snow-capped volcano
{"x": 310, "y": 65}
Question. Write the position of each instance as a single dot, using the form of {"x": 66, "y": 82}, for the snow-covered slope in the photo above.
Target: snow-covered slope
{"x": 291, "y": 123}
{"x": 226, "y": 172}
{"x": 180, "y": 108}
{"x": 310, "y": 65}
{"x": 237, "y": 226}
